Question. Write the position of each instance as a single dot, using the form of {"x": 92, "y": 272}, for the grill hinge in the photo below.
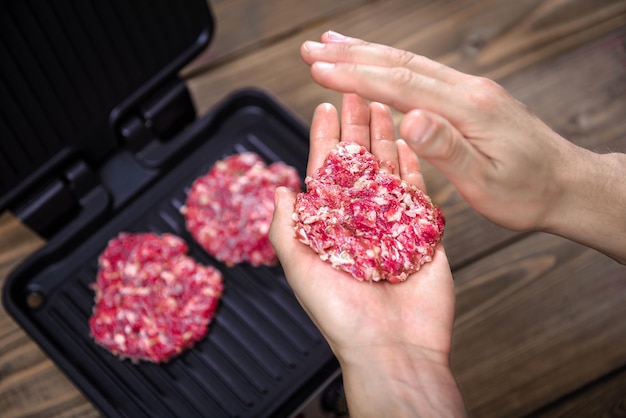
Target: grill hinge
{"x": 160, "y": 117}
{"x": 52, "y": 205}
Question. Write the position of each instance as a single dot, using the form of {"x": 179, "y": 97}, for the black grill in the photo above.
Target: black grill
{"x": 262, "y": 357}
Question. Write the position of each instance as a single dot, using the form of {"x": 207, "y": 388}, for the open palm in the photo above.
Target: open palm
{"x": 354, "y": 315}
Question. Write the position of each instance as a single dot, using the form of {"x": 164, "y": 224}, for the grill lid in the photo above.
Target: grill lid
{"x": 82, "y": 80}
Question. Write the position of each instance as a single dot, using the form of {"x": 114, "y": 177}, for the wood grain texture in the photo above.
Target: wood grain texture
{"x": 536, "y": 316}
{"x": 30, "y": 384}
{"x": 244, "y": 25}
{"x": 582, "y": 95}
{"x": 535, "y": 321}
{"x": 605, "y": 397}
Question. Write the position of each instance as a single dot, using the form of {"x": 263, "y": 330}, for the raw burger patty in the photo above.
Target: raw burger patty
{"x": 152, "y": 301}
{"x": 365, "y": 221}
{"x": 229, "y": 210}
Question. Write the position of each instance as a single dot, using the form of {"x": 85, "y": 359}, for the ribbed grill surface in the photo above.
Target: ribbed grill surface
{"x": 261, "y": 347}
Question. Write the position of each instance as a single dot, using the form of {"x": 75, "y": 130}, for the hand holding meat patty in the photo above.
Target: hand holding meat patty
{"x": 365, "y": 220}
{"x": 392, "y": 339}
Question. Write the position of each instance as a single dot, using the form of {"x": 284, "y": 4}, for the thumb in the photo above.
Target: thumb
{"x": 281, "y": 233}
{"x": 436, "y": 140}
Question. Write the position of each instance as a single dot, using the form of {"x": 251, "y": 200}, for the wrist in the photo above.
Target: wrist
{"x": 399, "y": 381}
{"x": 568, "y": 174}
{"x": 592, "y": 201}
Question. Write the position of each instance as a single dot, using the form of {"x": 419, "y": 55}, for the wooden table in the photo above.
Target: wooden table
{"x": 540, "y": 323}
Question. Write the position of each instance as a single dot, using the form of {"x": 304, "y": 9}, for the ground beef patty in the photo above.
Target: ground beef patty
{"x": 229, "y": 210}
{"x": 152, "y": 301}
{"x": 365, "y": 221}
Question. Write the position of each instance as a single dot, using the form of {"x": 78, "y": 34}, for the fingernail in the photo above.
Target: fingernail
{"x": 335, "y": 36}
{"x": 324, "y": 66}
{"x": 420, "y": 129}
{"x": 313, "y": 46}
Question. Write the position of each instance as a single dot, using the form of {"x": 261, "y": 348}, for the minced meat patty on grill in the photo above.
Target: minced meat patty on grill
{"x": 152, "y": 301}
{"x": 229, "y": 210}
{"x": 365, "y": 221}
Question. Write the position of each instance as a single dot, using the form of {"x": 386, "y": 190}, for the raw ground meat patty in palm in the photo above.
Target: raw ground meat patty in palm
{"x": 152, "y": 301}
{"x": 365, "y": 221}
{"x": 229, "y": 210}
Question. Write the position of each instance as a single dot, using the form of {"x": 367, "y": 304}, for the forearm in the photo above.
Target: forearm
{"x": 591, "y": 208}
{"x": 398, "y": 382}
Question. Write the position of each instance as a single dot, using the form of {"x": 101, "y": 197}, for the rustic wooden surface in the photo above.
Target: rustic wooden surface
{"x": 540, "y": 327}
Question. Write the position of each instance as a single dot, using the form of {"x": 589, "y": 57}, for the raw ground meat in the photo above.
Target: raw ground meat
{"x": 365, "y": 221}
{"x": 229, "y": 210}
{"x": 152, "y": 301}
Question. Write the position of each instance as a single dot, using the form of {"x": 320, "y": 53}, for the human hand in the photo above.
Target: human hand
{"x": 376, "y": 330}
{"x": 350, "y": 313}
{"x": 502, "y": 159}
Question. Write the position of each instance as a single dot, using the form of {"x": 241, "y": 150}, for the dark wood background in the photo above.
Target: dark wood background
{"x": 541, "y": 321}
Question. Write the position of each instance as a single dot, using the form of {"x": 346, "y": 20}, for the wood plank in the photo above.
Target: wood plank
{"x": 16, "y": 242}
{"x": 603, "y": 398}
{"x": 551, "y": 27}
{"x": 582, "y": 95}
{"x": 243, "y": 25}
{"x": 535, "y": 321}
{"x": 42, "y": 390}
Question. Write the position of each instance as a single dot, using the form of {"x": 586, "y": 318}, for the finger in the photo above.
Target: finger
{"x": 324, "y": 136}
{"x": 281, "y": 233}
{"x": 340, "y": 48}
{"x": 409, "y": 165}
{"x": 293, "y": 255}
{"x": 397, "y": 87}
{"x": 383, "y": 136}
{"x": 433, "y": 138}
{"x": 355, "y": 120}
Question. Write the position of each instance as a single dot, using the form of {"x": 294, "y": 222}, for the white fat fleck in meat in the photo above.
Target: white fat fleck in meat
{"x": 395, "y": 216}
{"x": 141, "y": 291}
{"x": 424, "y": 221}
{"x": 340, "y": 259}
{"x": 353, "y": 148}
{"x": 203, "y": 200}
{"x": 131, "y": 269}
{"x": 131, "y": 316}
{"x": 362, "y": 183}
{"x": 397, "y": 229}
{"x": 381, "y": 199}
{"x": 120, "y": 340}
{"x": 168, "y": 276}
